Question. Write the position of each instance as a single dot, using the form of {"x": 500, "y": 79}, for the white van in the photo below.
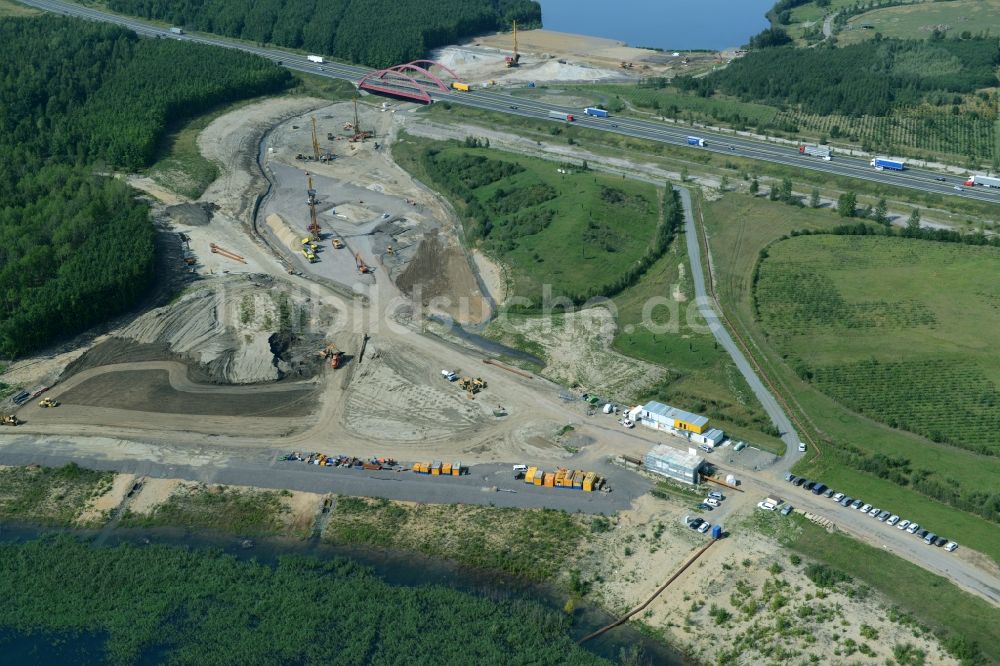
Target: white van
{"x": 711, "y": 501}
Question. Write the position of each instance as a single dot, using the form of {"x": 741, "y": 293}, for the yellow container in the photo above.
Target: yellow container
{"x": 529, "y": 476}
{"x": 560, "y": 477}
{"x": 445, "y": 469}
{"x": 456, "y": 469}
{"x": 578, "y": 479}
{"x": 435, "y": 468}
{"x": 588, "y": 481}
{"x": 549, "y": 480}
{"x": 539, "y": 477}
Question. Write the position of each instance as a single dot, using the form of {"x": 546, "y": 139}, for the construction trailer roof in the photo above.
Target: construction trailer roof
{"x": 678, "y": 458}
{"x": 676, "y": 414}
{"x": 714, "y": 434}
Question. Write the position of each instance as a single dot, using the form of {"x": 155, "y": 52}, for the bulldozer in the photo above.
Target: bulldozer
{"x": 47, "y": 402}
{"x": 336, "y": 243}
{"x": 9, "y": 420}
{"x": 335, "y": 355}
{"x": 473, "y": 386}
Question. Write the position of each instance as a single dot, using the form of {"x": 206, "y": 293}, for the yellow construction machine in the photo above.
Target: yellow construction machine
{"x": 47, "y": 402}
{"x": 336, "y": 243}
{"x": 9, "y": 420}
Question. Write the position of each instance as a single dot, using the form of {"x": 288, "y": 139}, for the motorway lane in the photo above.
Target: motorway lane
{"x": 497, "y": 101}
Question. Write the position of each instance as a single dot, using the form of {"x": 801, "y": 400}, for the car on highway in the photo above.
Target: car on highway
{"x": 912, "y": 529}
{"x": 838, "y": 497}
{"x": 514, "y": 106}
{"x": 864, "y": 509}
{"x": 882, "y": 517}
{"x": 902, "y": 525}
{"x": 950, "y": 546}
{"x": 941, "y": 178}
{"x": 893, "y": 519}
{"x": 802, "y": 447}
{"x": 959, "y": 188}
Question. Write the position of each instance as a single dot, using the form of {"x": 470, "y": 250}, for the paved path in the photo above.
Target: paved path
{"x": 707, "y": 310}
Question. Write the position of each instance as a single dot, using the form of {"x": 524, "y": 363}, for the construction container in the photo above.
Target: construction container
{"x": 436, "y": 468}
{"x": 549, "y": 480}
{"x": 456, "y": 469}
{"x": 422, "y": 468}
{"x": 446, "y": 469}
{"x": 538, "y": 478}
{"x": 589, "y": 481}
{"x": 529, "y": 476}
{"x": 578, "y": 480}
{"x": 560, "y": 480}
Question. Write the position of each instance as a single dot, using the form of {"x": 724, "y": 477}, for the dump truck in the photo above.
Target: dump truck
{"x": 559, "y": 115}
{"x": 457, "y": 85}
{"x": 315, "y": 58}
{"x": 985, "y": 181}
{"x": 888, "y": 163}
{"x": 696, "y": 141}
{"x": 10, "y": 420}
{"x": 595, "y": 112}
{"x": 823, "y": 152}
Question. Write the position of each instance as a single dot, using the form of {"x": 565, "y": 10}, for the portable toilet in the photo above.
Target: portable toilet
{"x": 716, "y": 531}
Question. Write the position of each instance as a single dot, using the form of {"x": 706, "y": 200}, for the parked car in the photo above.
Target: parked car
{"x": 694, "y": 523}
{"x": 767, "y": 506}
{"x": 856, "y": 504}
{"x": 929, "y": 538}
{"x": 809, "y": 485}
{"x": 874, "y": 512}
{"x": 704, "y": 528}
{"x": 865, "y": 509}
{"x": 940, "y": 541}
{"x": 838, "y": 497}
{"x": 846, "y": 501}
{"x": 704, "y": 507}
{"x": 627, "y": 423}
{"x": 893, "y": 519}
{"x": 902, "y": 525}
{"x": 802, "y": 447}
{"x": 790, "y": 477}
{"x": 951, "y": 546}
{"x": 819, "y": 489}
{"x": 828, "y": 493}
{"x": 788, "y": 508}
{"x": 711, "y": 501}
{"x": 715, "y": 494}
{"x": 922, "y": 534}
{"x": 799, "y": 481}
{"x": 883, "y": 516}
{"x": 912, "y": 529}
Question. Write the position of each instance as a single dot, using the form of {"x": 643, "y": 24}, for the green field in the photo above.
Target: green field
{"x": 918, "y": 21}
{"x": 177, "y": 605}
{"x": 855, "y": 451}
{"x": 904, "y": 331}
{"x": 578, "y": 233}
{"x": 49, "y": 495}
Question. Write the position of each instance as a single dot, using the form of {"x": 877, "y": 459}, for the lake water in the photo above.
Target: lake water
{"x": 666, "y": 24}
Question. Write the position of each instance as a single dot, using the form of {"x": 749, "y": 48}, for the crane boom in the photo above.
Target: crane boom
{"x": 315, "y": 140}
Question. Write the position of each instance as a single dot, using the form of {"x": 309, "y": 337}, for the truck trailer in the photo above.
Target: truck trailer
{"x": 315, "y": 58}
{"x": 559, "y": 115}
{"x": 823, "y": 152}
{"x": 456, "y": 85}
{"x": 597, "y": 113}
{"x": 696, "y": 141}
{"x": 985, "y": 181}
{"x": 177, "y": 31}
{"x": 888, "y": 163}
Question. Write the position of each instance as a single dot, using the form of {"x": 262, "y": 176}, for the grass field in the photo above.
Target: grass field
{"x": 904, "y": 331}
{"x": 919, "y": 20}
{"x": 928, "y": 601}
{"x": 738, "y": 227}
{"x": 579, "y": 232}
{"x": 240, "y": 511}
{"x": 8, "y": 8}
{"x": 49, "y": 495}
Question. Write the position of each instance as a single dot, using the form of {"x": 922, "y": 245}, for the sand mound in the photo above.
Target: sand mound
{"x": 283, "y": 232}
{"x": 556, "y": 71}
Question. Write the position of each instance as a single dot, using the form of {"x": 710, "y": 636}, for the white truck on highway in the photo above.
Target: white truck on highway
{"x": 985, "y": 181}
{"x": 315, "y": 59}
{"x": 823, "y": 152}
{"x": 177, "y": 31}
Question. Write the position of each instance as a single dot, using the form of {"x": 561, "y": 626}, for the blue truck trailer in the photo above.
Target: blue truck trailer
{"x": 597, "y": 113}
{"x": 696, "y": 141}
{"x": 888, "y": 163}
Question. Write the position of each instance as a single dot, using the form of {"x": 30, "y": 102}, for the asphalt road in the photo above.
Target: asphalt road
{"x": 724, "y": 143}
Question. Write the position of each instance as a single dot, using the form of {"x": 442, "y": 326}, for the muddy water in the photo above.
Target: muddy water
{"x": 395, "y": 568}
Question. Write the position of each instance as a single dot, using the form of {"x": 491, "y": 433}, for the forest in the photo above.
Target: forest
{"x": 78, "y": 99}
{"x": 378, "y": 33}
{"x": 870, "y": 78}
{"x": 168, "y": 604}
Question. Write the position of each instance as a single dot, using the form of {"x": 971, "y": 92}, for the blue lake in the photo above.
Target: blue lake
{"x": 666, "y": 24}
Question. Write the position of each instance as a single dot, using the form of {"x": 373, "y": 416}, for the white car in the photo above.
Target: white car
{"x": 912, "y": 529}
{"x": 893, "y": 519}
{"x": 802, "y": 447}
{"x": 449, "y": 375}
{"x": 838, "y": 497}
{"x": 711, "y": 501}
{"x": 866, "y": 508}
{"x": 903, "y": 524}
{"x": 627, "y": 423}
{"x": 703, "y": 527}
{"x": 875, "y": 511}
{"x": 767, "y": 506}
{"x": 950, "y": 546}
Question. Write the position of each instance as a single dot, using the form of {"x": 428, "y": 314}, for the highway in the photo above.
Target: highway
{"x": 723, "y": 143}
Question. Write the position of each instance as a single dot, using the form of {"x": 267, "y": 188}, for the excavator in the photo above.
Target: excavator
{"x": 472, "y": 385}
{"x": 47, "y": 402}
{"x": 9, "y": 420}
{"x": 335, "y": 356}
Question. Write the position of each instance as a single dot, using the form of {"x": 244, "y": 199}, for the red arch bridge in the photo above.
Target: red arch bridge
{"x": 413, "y": 80}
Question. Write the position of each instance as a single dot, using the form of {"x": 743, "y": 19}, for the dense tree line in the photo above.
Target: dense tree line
{"x": 77, "y": 98}
{"x": 374, "y": 32}
{"x": 871, "y": 78}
